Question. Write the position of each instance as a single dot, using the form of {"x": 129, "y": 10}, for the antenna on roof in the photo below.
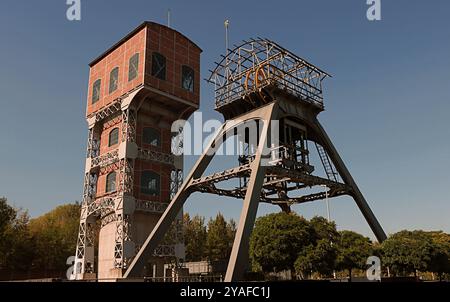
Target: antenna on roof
{"x": 168, "y": 18}
{"x": 227, "y": 24}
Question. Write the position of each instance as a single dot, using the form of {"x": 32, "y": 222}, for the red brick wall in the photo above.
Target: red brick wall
{"x": 101, "y": 182}
{"x": 104, "y": 136}
{"x": 118, "y": 58}
{"x": 164, "y": 174}
{"x": 178, "y": 51}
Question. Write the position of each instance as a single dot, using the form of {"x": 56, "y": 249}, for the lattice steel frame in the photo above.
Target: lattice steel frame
{"x": 258, "y": 63}
{"x": 109, "y": 208}
{"x": 243, "y": 76}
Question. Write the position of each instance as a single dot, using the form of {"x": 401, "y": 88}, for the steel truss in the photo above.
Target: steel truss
{"x": 275, "y": 177}
{"x": 153, "y": 155}
{"x": 258, "y": 63}
{"x": 280, "y": 86}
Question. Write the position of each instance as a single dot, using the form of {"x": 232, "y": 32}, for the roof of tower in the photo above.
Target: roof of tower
{"x": 131, "y": 34}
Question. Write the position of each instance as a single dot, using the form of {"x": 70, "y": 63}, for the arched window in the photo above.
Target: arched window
{"x": 150, "y": 183}
{"x": 151, "y": 136}
{"x": 113, "y": 80}
{"x": 187, "y": 78}
{"x": 96, "y": 91}
{"x": 158, "y": 66}
{"x": 113, "y": 137}
{"x": 133, "y": 67}
{"x": 111, "y": 182}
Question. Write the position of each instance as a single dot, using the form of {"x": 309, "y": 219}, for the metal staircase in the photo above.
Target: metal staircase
{"x": 327, "y": 165}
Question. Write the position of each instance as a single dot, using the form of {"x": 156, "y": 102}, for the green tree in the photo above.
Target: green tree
{"x": 17, "y": 248}
{"x": 7, "y": 215}
{"x": 277, "y": 240}
{"x": 320, "y": 258}
{"x": 55, "y": 235}
{"x": 195, "y": 237}
{"x": 440, "y": 260}
{"x": 353, "y": 251}
{"x": 324, "y": 229}
{"x": 219, "y": 239}
{"x": 407, "y": 252}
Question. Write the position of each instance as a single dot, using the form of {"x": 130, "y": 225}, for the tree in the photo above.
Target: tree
{"x": 195, "y": 237}
{"x": 320, "y": 258}
{"x": 406, "y": 252}
{"x": 440, "y": 260}
{"x": 219, "y": 239}
{"x": 353, "y": 251}
{"x": 324, "y": 229}
{"x": 17, "y": 248}
{"x": 277, "y": 240}
{"x": 7, "y": 215}
{"x": 55, "y": 235}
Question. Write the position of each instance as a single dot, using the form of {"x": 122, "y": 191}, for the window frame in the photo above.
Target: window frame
{"x": 156, "y": 56}
{"x": 136, "y": 57}
{"x": 110, "y": 144}
{"x": 96, "y": 97}
{"x": 155, "y": 131}
{"x": 190, "y": 69}
{"x": 107, "y": 182}
{"x": 144, "y": 186}
{"x": 115, "y": 69}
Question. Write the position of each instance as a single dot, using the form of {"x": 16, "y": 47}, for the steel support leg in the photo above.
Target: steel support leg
{"x": 348, "y": 179}
{"x": 137, "y": 265}
{"x": 238, "y": 262}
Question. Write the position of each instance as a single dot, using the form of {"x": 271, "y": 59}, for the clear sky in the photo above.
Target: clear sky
{"x": 388, "y": 103}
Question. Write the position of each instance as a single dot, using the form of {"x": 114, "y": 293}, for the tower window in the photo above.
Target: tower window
{"x": 151, "y": 136}
{"x": 113, "y": 79}
{"x": 187, "y": 78}
{"x": 158, "y": 66}
{"x": 133, "y": 67}
{"x": 96, "y": 91}
{"x": 113, "y": 137}
{"x": 111, "y": 182}
{"x": 150, "y": 183}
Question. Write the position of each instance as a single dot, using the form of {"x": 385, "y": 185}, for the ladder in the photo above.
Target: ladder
{"x": 328, "y": 167}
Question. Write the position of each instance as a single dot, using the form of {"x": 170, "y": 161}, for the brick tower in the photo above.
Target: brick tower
{"x": 137, "y": 89}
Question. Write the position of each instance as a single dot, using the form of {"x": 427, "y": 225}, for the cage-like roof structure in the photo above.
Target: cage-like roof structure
{"x": 259, "y": 64}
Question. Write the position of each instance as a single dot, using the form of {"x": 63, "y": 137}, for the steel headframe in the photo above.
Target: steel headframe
{"x": 257, "y": 63}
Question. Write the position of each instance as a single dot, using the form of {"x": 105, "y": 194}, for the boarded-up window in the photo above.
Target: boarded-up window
{"x": 158, "y": 66}
{"x": 187, "y": 78}
{"x": 133, "y": 67}
{"x": 96, "y": 91}
{"x": 113, "y": 80}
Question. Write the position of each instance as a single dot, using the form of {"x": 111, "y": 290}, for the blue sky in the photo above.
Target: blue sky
{"x": 388, "y": 102}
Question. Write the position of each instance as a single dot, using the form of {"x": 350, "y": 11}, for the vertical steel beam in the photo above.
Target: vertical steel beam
{"x": 238, "y": 262}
